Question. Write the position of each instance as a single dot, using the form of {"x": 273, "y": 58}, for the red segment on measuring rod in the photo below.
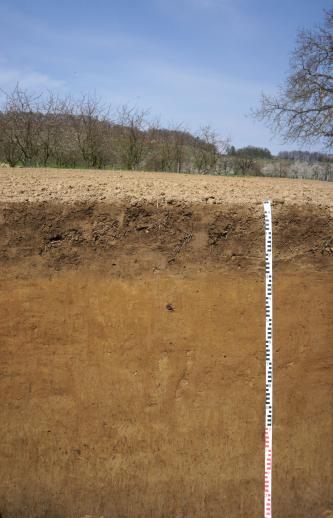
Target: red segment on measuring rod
{"x": 269, "y": 360}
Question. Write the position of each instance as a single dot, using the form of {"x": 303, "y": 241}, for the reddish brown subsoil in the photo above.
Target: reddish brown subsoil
{"x": 132, "y": 368}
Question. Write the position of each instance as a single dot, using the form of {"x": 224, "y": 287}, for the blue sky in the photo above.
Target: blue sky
{"x": 194, "y": 62}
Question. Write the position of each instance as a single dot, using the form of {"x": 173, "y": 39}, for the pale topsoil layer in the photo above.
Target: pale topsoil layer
{"x": 108, "y": 186}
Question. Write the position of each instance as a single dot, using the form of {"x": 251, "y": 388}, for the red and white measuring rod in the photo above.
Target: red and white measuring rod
{"x": 269, "y": 359}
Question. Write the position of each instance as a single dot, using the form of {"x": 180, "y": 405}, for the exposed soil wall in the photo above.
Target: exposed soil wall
{"x": 132, "y": 374}
{"x": 132, "y": 238}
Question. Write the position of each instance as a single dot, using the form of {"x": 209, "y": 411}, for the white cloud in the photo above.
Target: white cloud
{"x": 30, "y": 79}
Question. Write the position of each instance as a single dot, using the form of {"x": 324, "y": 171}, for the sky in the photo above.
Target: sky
{"x": 190, "y": 62}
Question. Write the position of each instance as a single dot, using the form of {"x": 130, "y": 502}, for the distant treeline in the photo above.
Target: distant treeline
{"x": 305, "y": 156}
{"x": 49, "y": 130}
{"x": 250, "y": 152}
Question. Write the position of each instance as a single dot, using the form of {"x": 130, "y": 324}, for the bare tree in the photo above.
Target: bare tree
{"x": 167, "y": 158}
{"x": 206, "y": 151}
{"x": 247, "y": 166}
{"x": 51, "y": 139}
{"x": 21, "y": 126}
{"x": 160, "y": 148}
{"x": 225, "y": 166}
{"x": 9, "y": 150}
{"x": 92, "y": 126}
{"x": 179, "y": 139}
{"x": 303, "y": 109}
{"x": 132, "y": 139}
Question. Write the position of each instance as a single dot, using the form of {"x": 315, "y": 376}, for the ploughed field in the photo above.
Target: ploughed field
{"x": 132, "y": 331}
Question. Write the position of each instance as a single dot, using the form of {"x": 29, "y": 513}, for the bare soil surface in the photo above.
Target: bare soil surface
{"x": 75, "y": 185}
{"x": 132, "y": 329}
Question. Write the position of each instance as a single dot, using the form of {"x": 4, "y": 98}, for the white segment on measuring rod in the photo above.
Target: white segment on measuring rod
{"x": 269, "y": 360}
